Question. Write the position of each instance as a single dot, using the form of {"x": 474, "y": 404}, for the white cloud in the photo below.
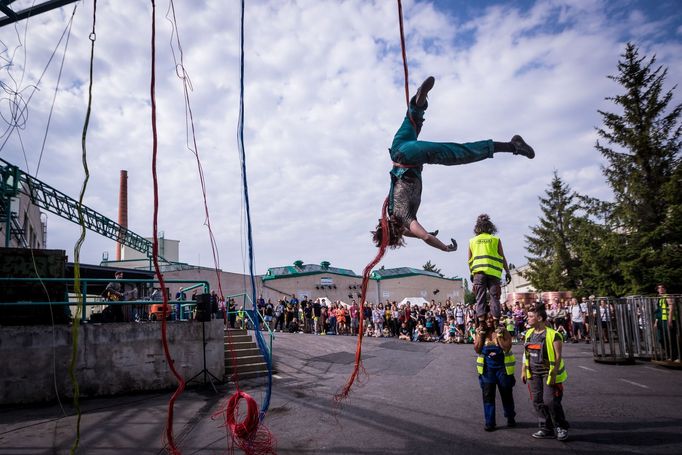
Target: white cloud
{"x": 324, "y": 95}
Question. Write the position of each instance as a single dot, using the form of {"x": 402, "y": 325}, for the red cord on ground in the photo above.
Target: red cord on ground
{"x": 249, "y": 434}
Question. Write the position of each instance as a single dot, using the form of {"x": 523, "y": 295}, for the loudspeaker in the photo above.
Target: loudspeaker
{"x": 204, "y": 307}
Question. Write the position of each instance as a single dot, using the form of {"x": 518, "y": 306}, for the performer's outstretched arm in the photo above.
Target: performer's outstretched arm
{"x": 418, "y": 231}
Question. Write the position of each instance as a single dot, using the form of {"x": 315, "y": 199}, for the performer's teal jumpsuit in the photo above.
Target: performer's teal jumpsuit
{"x": 406, "y": 150}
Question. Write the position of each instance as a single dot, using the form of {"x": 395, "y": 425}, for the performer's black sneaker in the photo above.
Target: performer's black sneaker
{"x": 521, "y": 148}
{"x": 423, "y": 91}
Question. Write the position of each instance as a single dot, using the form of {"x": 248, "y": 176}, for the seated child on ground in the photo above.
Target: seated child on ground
{"x": 452, "y": 330}
{"x": 471, "y": 332}
{"x": 404, "y": 333}
{"x": 419, "y": 332}
{"x": 293, "y": 326}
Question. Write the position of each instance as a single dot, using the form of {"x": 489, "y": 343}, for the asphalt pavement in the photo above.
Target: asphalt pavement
{"x": 416, "y": 398}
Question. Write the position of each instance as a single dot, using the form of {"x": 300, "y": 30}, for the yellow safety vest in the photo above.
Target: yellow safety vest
{"x": 663, "y": 305}
{"x": 484, "y": 255}
{"x": 509, "y": 363}
{"x": 549, "y": 343}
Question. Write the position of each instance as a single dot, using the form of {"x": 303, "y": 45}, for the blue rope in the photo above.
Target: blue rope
{"x": 259, "y": 336}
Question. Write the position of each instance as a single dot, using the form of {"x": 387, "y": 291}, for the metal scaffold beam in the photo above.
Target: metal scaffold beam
{"x": 12, "y": 16}
{"x": 48, "y": 198}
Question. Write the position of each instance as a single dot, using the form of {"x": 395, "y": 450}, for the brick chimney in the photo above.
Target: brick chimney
{"x": 122, "y": 209}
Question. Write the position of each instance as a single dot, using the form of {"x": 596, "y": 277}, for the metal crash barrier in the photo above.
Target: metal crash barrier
{"x": 666, "y": 330}
{"x": 636, "y": 328}
{"x": 609, "y": 330}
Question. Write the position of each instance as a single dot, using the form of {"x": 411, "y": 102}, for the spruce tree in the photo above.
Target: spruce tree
{"x": 429, "y": 267}
{"x": 553, "y": 262}
{"x": 642, "y": 147}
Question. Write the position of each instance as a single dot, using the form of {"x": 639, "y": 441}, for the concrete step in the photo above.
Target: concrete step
{"x": 240, "y": 352}
{"x": 237, "y": 338}
{"x": 245, "y": 360}
{"x": 246, "y": 368}
{"x": 248, "y": 358}
{"x": 247, "y": 375}
{"x": 241, "y": 344}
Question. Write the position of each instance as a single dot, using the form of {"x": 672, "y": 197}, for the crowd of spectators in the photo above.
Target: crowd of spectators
{"x": 447, "y": 322}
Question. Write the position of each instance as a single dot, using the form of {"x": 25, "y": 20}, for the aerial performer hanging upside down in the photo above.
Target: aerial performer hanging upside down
{"x": 409, "y": 156}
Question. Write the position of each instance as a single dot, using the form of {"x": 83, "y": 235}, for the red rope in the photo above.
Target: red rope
{"x": 363, "y": 289}
{"x": 246, "y": 427}
{"x": 249, "y": 434}
{"x": 155, "y": 249}
{"x": 384, "y": 238}
{"x": 407, "y": 79}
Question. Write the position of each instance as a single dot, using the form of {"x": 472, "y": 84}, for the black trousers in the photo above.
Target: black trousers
{"x": 547, "y": 402}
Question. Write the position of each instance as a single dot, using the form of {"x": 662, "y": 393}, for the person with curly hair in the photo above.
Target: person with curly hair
{"x": 409, "y": 156}
{"x": 486, "y": 262}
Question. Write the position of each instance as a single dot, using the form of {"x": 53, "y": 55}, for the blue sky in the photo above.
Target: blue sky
{"x": 324, "y": 96}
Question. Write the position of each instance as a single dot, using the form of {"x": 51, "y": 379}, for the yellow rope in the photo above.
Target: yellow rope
{"x": 76, "y": 253}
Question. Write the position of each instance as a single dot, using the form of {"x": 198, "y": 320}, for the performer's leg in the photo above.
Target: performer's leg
{"x": 418, "y": 104}
{"x": 479, "y": 290}
{"x": 536, "y": 386}
{"x": 494, "y": 289}
{"x": 488, "y": 394}
{"x": 553, "y": 395}
{"x": 506, "y": 384}
{"x": 406, "y": 133}
{"x": 445, "y": 153}
{"x": 452, "y": 153}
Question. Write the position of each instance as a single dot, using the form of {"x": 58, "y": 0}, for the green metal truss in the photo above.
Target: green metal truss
{"x": 13, "y": 181}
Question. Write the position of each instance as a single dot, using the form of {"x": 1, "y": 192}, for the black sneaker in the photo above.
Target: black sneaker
{"x": 521, "y": 148}
{"x": 423, "y": 91}
{"x": 489, "y": 428}
{"x": 511, "y": 423}
{"x": 543, "y": 434}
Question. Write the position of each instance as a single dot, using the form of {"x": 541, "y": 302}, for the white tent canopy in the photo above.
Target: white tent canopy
{"x": 328, "y": 302}
{"x": 324, "y": 301}
{"x": 419, "y": 301}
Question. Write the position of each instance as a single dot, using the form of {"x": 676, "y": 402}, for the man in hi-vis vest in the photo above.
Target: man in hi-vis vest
{"x": 486, "y": 262}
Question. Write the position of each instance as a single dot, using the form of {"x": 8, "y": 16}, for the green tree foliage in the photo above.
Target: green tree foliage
{"x": 469, "y": 297}
{"x": 431, "y": 268}
{"x": 642, "y": 147}
{"x": 553, "y": 261}
{"x": 597, "y": 246}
